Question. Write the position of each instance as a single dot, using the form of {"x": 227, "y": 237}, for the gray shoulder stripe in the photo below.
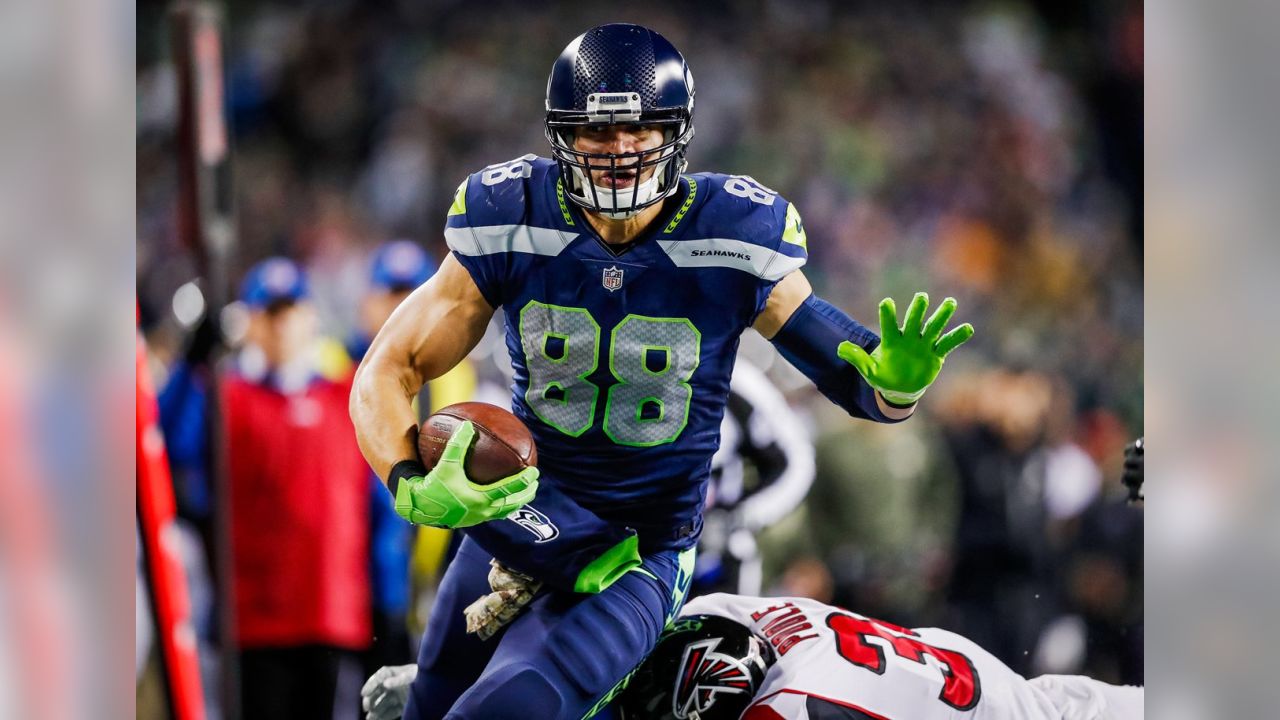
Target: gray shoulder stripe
{"x": 460, "y": 241}
{"x": 748, "y": 257}
{"x": 493, "y": 239}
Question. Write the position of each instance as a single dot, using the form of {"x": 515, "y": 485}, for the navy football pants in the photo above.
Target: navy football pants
{"x": 561, "y": 657}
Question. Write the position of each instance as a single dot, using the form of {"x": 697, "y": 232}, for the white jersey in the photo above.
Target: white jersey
{"x": 833, "y": 664}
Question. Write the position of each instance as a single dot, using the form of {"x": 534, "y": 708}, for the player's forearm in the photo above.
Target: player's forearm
{"x": 807, "y": 331}
{"x": 427, "y": 335}
{"x": 382, "y": 412}
{"x": 808, "y": 340}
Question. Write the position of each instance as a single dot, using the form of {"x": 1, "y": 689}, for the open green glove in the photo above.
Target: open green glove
{"x": 908, "y": 359}
{"x": 446, "y": 498}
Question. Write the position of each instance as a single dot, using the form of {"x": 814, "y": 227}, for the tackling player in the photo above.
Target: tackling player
{"x": 626, "y": 285}
{"x": 735, "y": 656}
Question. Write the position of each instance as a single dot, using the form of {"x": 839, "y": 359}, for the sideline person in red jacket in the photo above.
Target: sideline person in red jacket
{"x": 301, "y": 570}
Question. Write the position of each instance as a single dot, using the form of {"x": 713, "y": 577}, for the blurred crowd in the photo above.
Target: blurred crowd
{"x": 989, "y": 152}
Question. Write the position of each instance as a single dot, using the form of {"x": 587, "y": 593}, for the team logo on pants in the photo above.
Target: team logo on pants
{"x": 704, "y": 674}
{"x": 535, "y": 522}
{"x": 612, "y": 279}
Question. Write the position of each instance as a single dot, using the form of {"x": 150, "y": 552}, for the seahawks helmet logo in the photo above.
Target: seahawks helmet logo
{"x": 704, "y": 675}
{"x": 535, "y": 522}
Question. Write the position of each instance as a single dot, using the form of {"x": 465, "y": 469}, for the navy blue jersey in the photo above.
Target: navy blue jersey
{"x": 622, "y": 361}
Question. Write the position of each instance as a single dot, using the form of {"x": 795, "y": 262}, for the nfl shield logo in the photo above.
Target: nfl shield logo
{"x": 612, "y": 279}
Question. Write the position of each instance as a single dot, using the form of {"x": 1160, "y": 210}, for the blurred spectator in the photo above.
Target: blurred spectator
{"x": 1001, "y": 585}
{"x": 299, "y": 521}
{"x": 400, "y": 553}
{"x": 808, "y": 577}
{"x": 1044, "y": 554}
{"x": 407, "y": 560}
{"x": 301, "y": 546}
{"x": 881, "y": 512}
{"x": 399, "y": 267}
{"x": 1103, "y": 570}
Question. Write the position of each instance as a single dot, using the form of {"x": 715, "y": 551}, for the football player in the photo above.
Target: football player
{"x": 735, "y": 656}
{"x": 626, "y": 284}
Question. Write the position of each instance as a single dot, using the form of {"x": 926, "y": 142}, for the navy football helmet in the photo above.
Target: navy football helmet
{"x": 620, "y": 74}
{"x": 705, "y": 667}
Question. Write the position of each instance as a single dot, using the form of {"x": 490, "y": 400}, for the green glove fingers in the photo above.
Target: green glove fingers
{"x": 455, "y": 451}
{"x": 513, "y": 492}
{"x": 447, "y": 498}
{"x": 953, "y": 340}
{"x": 857, "y": 357}
{"x": 889, "y": 319}
{"x": 915, "y": 315}
{"x": 908, "y": 359}
{"x": 938, "y": 322}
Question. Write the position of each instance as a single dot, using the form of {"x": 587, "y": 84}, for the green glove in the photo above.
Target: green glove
{"x": 446, "y": 498}
{"x": 908, "y": 358}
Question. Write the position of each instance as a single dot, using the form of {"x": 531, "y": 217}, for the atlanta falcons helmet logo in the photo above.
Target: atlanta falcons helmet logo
{"x": 704, "y": 675}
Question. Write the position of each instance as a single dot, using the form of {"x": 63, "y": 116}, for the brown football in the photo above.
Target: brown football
{"x": 502, "y": 448}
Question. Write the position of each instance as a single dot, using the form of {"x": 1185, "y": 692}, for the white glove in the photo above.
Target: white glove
{"x": 511, "y": 592}
{"x": 385, "y": 694}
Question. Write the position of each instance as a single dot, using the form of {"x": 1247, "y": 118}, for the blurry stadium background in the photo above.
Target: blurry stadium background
{"x": 990, "y": 151}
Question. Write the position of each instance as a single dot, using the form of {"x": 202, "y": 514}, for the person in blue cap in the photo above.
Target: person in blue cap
{"x": 280, "y": 343}
{"x": 398, "y": 268}
{"x": 272, "y": 284}
{"x": 271, "y": 292}
{"x": 301, "y": 580}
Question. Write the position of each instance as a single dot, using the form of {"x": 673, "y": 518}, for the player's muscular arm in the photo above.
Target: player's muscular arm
{"x": 428, "y": 334}
{"x": 892, "y": 370}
